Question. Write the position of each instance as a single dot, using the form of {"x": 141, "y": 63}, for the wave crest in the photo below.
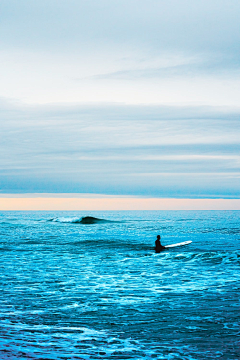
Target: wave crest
{"x": 86, "y": 220}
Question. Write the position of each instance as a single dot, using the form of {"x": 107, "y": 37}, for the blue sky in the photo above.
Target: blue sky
{"x": 120, "y": 97}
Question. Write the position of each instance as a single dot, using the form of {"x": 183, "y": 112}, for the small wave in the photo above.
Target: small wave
{"x": 229, "y": 231}
{"x": 86, "y": 220}
{"x": 209, "y": 257}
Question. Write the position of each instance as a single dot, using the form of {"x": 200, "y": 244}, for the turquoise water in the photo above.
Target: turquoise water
{"x": 75, "y": 289}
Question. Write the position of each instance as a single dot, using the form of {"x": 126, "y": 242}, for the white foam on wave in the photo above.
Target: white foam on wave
{"x": 72, "y": 341}
{"x": 66, "y": 220}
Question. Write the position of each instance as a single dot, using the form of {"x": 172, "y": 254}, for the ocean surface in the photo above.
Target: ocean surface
{"x": 74, "y": 287}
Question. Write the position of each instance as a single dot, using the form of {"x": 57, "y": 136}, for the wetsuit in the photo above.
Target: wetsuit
{"x": 158, "y": 246}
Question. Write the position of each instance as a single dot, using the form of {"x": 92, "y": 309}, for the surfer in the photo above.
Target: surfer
{"x": 158, "y": 245}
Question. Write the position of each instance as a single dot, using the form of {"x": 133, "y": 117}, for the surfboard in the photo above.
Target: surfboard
{"x": 178, "y": 244}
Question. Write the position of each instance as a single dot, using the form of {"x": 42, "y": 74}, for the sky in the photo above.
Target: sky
{"x": 123, "y": 98}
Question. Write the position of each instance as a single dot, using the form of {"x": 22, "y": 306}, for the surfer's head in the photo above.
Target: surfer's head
{"x": 158, "y": 237}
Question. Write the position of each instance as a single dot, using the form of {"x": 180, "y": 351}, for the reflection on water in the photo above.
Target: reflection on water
{"x": 74, "y": 289}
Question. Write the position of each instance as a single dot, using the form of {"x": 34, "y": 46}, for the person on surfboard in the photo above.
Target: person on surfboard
{"x": 158, "y": 245}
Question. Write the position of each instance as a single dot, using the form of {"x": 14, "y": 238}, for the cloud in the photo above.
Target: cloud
{"x": 81, "y": 72}
{"x": 111, "y": 51}
{"x": 198, "y": 67}
{"x": 120, "y": 149}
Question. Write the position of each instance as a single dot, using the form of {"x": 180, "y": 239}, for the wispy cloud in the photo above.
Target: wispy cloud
{"x": 113, "y": 149}
{"x": 209, "y": 67}
{"x": 120, "y": 97}
{"x": 162, "y": 51}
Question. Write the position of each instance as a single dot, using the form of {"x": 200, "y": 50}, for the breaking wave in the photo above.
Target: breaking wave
{"x": 86, "y": 220}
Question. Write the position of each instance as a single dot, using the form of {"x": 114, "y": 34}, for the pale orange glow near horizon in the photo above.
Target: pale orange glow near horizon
{"x": 115, "y": 203}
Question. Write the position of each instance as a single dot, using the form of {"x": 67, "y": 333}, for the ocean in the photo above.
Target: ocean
{"x": 88, "y": 285}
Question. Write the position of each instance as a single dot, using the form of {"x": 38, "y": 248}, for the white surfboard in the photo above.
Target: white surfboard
{"x": 179, "y": 244}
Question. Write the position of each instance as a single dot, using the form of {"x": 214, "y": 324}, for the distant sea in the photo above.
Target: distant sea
{"x": 74, "y": 287}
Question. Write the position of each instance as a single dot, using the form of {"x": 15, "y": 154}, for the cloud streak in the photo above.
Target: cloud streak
{"x": 137, "y": 150}
{"x": 120, "y": 51}
{"x": 120, "y": 97}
